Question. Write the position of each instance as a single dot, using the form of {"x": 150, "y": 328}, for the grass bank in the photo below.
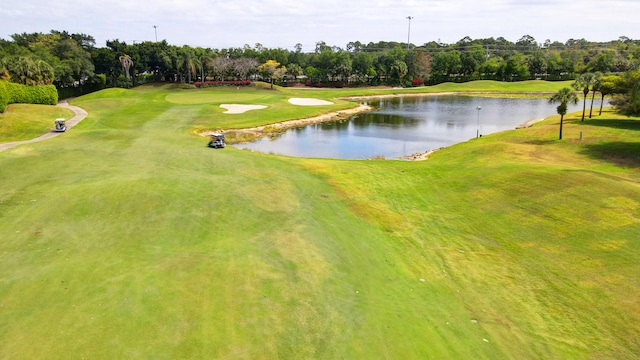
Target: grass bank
{"x": 24, "y": 122}
{"x": 128, "y": 238}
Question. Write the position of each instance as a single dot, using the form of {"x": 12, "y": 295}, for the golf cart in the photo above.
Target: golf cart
{"x": 60, "y": 125}
{"x": 217, "y": 141}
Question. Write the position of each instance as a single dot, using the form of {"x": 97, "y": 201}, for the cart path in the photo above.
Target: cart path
{"x": 80, "y": 114}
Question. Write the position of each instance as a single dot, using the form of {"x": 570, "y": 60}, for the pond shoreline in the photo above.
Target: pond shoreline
{"x": 255, "y": 133}
{"x": 246, "y": 135}
{"x": 239, "y": 136}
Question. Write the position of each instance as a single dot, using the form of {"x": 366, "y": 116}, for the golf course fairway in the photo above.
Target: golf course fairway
{"x": 128, "y": 238}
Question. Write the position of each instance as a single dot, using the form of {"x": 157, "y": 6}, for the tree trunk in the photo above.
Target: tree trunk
{"x": 584, "y": 106}
{"x": 601, "y": 103}
{"x": 561, "y": 117}
{"x": 593, "y": 95}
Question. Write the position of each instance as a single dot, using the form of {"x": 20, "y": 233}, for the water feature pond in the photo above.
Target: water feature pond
{"x": 406, "y": 125}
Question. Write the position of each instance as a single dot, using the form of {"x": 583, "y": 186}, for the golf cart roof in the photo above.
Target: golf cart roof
{"x": 60, "y": 120}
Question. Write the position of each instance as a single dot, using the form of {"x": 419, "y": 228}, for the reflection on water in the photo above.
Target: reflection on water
{"x": 403, "y": 126}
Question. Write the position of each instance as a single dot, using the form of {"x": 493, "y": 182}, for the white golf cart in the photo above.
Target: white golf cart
{"x": 217, "y": 141}
{"x": 60, "y": 125}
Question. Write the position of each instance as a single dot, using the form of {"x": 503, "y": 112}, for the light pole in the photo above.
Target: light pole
{"x": 478, "y": 122}
{"x": 155, "y": 29}
{"x": 409, "y": 33}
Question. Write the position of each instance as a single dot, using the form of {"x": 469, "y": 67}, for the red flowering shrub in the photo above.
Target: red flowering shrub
{"x": 417, "y": 82}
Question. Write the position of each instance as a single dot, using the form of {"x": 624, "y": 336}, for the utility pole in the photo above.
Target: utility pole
{"x": 409, "y": 34}
{"x": 155, "y": 29}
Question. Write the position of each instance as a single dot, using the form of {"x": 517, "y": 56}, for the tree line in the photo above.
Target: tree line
{"x": 73, "y": 61}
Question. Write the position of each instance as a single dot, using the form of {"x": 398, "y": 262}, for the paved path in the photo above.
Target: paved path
{"x": 80, "y": 114}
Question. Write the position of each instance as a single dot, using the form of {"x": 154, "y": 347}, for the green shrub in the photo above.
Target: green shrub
{"x": 12, "y": 93}
{"x": 38, "y": 94}
{"x": 16, "y": 92}
{"x": 4, "y": 96}
{"x": 123, "y": 82}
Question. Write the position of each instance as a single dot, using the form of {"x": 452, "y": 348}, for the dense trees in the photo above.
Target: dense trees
{"x": 71, "y": 60}
{"x": 59, "y": 58}
{"x": 27, "y": 70}
{"x": 626, "y": 88}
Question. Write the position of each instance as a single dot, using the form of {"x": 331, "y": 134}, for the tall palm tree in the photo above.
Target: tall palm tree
{"x": 563, "y": 96}
{"x": 202, "y": 58}
{"x": 584, "y": 83}
{"x": 595, "y": 87}
{"x": 186, "y": 62}
{"x": 127, "y": 63}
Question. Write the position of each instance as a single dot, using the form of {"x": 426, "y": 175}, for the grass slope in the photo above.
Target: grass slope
{"x": 128, "y": 238}
{"x": 24, "y": 122}
{"x": 534, "y": 238}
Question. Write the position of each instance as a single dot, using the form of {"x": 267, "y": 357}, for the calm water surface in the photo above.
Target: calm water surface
{"x": 403, "y": 126}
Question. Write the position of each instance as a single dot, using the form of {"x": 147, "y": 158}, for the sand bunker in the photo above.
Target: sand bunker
{"x": 240, "y": 108}
{"x": 309, "y": 102}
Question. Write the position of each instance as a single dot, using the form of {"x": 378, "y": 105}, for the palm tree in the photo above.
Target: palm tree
{"x": 46, "y": 73}
{"x": 202, "y": 58}
{"x": 27, "y": 70}
{"x": 186, "y": 62}
{"x": 595, "y": 87}
{"x": 584, "y": 83}
{"x": 563, "y": 96}
{"x": 4, "y": 72}
{"x": 21, "y": 70}
{"x": 127, "y": 63}
{"x": 294, "y": 70}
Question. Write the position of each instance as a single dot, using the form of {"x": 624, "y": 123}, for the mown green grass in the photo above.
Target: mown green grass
{"x": 128, "y": 238}
{"x": 539, "y": 236}
{"x": 24, "y": 122}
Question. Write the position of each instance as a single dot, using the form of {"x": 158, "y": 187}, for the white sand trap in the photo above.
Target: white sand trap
{"x": 240, "y": 108}
{"x": 309, "y": 102}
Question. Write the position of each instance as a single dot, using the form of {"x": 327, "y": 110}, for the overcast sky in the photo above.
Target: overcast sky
{"x": 284, "y": 23}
